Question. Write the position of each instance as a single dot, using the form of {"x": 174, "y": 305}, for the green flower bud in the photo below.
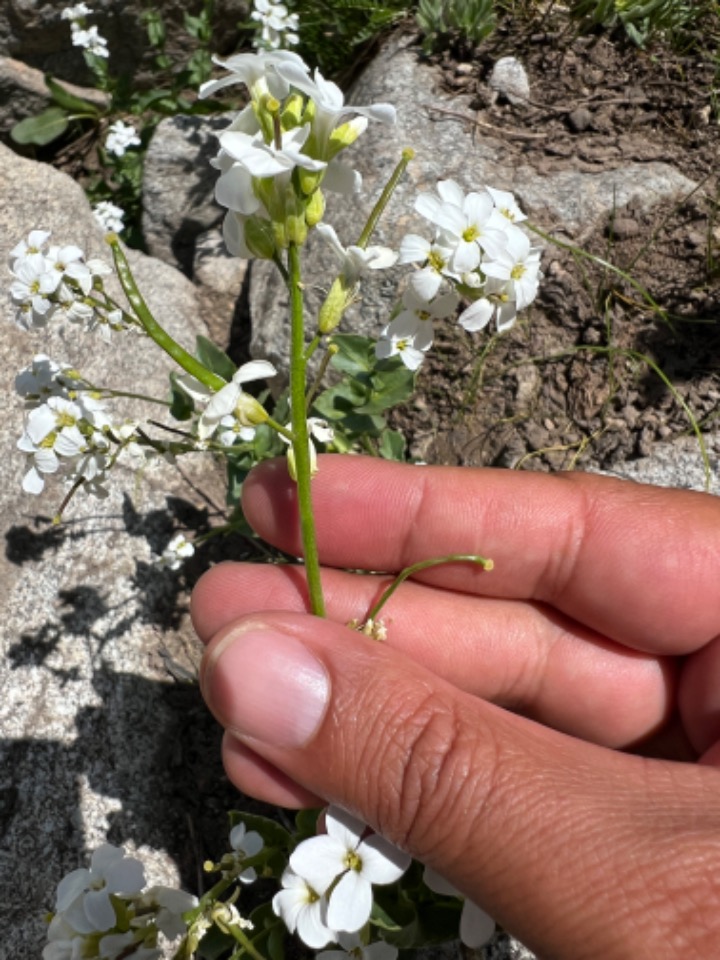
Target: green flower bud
{"x": 309, "y": 181}
{"x": 260, "y": 237}
{"x": 345, "y": 135}
{"x": 336, "y": 303}
{"x": 315, "y": 209}
{"x": 296, "y": 228}
{"x": 291, "y": 115}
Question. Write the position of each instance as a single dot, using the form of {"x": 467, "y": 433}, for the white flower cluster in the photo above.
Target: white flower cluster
{"x": 64, "y": 424}
{"x": 281, "y": 148}
{"x": 105, "y": 912}
{"x": 58, "y": 282}
{"x": 327, "y": 888}
{"x": 479, "y": 251}
{"x": 278, "y": 27}
{"x": 120, "y": 136}
{"x": 176, "y": 552}
{"x": 110, "y": 217}
{"x": 83, "y": 36}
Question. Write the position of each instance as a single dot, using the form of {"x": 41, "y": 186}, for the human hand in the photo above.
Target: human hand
{"x": 497, "y": 734}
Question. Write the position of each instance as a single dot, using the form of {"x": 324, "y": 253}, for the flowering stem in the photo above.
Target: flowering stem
{"x": 483, "y": 562}
{"x": 153, "y": 329}
{"x": 301, "y": 439}
{"x": 377, "y": 210}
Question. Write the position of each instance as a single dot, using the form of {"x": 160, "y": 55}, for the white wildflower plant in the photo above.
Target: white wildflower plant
{"x": 341, "y": 887}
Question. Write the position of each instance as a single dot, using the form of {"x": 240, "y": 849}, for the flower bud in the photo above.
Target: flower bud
{"x": 315, "y": 209}
{"x": 336, "y": 303}
{"x": 345, "y": 135}
{"x": 249, "y": 411}
{"x": 291, "y": 115}
{"x": 260, "y": 237}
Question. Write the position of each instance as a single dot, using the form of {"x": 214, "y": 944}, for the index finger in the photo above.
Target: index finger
{"x": 637, "y": 563}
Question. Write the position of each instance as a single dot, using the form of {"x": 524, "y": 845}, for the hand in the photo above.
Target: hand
{"x": 498, "y": 734}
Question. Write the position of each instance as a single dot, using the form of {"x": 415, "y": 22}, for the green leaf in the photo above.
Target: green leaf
{"x": 357, "y": 354}
{"x": 181, "y": 403}
{"x": 392, "y": 445}
{"x": 43, "y": 129}
{"x": 67, "y": 100}
{"x": 214, "y": 358}
{"x": 338, "y": 401}
{"x": 306, "y": 822}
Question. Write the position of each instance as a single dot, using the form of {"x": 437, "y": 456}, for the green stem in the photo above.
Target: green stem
{"x": 483, "y": 562}
{"x": 301, "y": 440}
{"x": 153, "y": 329}
{"x": 377, "y": 211}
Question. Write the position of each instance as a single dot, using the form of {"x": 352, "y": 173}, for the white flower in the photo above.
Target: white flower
{"x": 169, "y": 905}
{"x": 506, "y": 204}
{"x": 33, "y": 245}
{"x": 329, "y": 103}
{"x": 76, "y": 12}
{"x": 231, "y": 400}
{"x": 109, "y": 216}
{"x": 407, "y": 337}
{"x": 302, "y": 910}
{"x": 258, "y": 71}
{"x": 435, "y": 255}
{"x": 83, "y": 896}
{"x": 32, "y": 284}
{"x": 175, "y": 552}
{"x": 499, "y": 300}
{"x": 91, "y": 41}
{"x": 353, "y": 947}
{"x": 116, "y": 945}
{"x": 319, "y": 429}
{"x": 265, "y": 159}
{"x": 519, "y": 264}
{"x": 120, "y": 137}
{"x": 356, "y": 864}
{"x": 40, "y": 380}
{"x": 354, "y": 261}
{"x": 245, "y": 843}
{"x": 476, "y": 926}
{"x": 67, "y": 262}
{"x": 278, "y": 27}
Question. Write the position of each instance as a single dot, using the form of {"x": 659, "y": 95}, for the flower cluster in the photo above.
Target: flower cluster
{"x": 120, "y": 136}
{"x": 281, "y": 149}
{"x": 83, "y": 36}
{"x": 105, "y": 912}
{"x": 176, "y": 552}
{"x": 278, "y": 27}
{"x": 58, "y": 282}
{"x": 478, "y": 251}
{"x": 327, "y": 888}
{"x": 110, "y": 217}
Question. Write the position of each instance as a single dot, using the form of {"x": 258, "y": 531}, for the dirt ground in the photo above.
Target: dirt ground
{"x": 569, "y": 386}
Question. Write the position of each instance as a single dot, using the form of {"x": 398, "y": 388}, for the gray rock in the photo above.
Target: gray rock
{"x": 23, "y": 93}
{"x": 677, "y": 464}
{"x": 178, "y": 187}
{"x": 32, "y": 31}
{"x": 569, "y": 201}
{"x": 509, "y": 79}
{"x": 89, "y": 728}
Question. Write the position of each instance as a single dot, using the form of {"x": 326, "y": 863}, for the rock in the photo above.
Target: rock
{"x": 622, "y": 228}
{"x": 579, "y": 119}
{"x": 33, "y": 31}
{"x": 510, "y": 80}
{"x": 178, "y": 187}
{"x": 23, "y": 93}
{"x": 92, "y": 727}
{"x": 677, "y": 464}
{"x": 570, "y": 202}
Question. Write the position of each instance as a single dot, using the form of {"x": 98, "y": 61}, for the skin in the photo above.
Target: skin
{"x": 546, "y": 736}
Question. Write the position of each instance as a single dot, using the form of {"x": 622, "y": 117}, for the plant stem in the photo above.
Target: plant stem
{"x": 377, "y": 211}
{"x": 153, "y": 329}
{"x": 301, "y": 441}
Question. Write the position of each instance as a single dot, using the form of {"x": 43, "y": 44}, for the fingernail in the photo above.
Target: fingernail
{"x": 267, "y": 686}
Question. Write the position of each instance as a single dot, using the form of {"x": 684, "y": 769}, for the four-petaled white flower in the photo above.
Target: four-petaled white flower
{"x": 262, "y": 159}
{"x": 302, "y": 909}
{"x": 349, "y": 862}
{"x": 109, "y": 216}
{"x": 245, "y": 843}
{"x": 178, "y": 550}
{"x": 231, "y": 400}
{"x": 519, "y": 263}
{"x": 83, "y": 896}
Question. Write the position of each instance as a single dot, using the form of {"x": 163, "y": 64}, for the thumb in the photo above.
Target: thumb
{"x": 554, "y": 837}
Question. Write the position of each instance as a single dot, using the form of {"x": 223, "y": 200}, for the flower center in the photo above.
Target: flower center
{"x": 517, "y": 271}
{"x": 353, "y": 861}
{"x": 470, "y": 233}
{"x": 436, "y": 261}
